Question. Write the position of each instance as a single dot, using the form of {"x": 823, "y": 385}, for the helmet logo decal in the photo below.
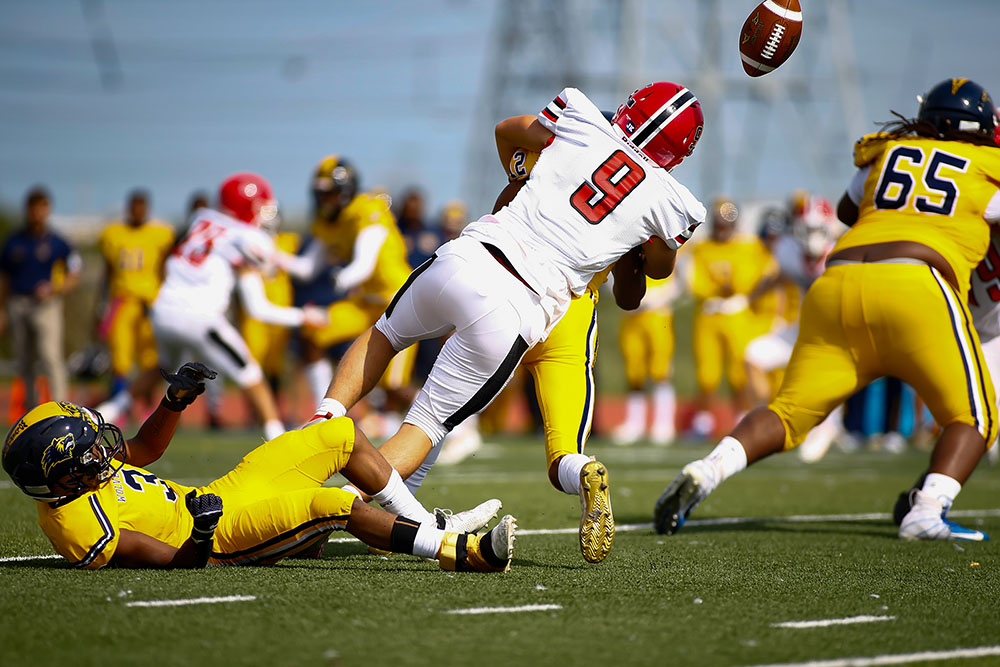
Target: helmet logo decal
{"x": 250, "y": 190}
{"x": 956, "y": 84}
{"x": 629, "y": 126}
{"x": 59, "y": 451}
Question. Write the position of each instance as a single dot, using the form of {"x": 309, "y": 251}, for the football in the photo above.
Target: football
{"x": 769, "y": 35}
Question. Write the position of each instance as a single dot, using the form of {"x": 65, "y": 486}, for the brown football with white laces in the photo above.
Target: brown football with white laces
{"x": 770, "y": 35}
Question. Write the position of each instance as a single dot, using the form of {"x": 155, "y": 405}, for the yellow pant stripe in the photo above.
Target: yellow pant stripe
{"x": 978, "y": 402}
{"x": 279, "y": 546}
{"x": 587, "y": 420}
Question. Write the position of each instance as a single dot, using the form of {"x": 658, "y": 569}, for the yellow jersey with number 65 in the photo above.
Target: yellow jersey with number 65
{"x": 927, "y": 191}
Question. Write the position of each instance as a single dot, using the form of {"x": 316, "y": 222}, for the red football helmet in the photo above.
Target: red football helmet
{"x": 663, "y": 120}
{"x": 248, "y": 197}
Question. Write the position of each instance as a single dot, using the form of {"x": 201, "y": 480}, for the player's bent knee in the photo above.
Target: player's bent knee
{"x": 251, "y": 374}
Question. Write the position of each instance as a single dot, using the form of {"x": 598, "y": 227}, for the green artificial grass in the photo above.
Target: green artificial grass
{"x": 709, "y": 595}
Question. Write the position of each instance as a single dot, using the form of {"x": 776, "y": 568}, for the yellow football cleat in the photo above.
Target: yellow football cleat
{"x": 464, "y": 552}
{"x": 597, "y": 523}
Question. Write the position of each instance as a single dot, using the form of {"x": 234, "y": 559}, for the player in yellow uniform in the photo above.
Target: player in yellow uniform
{"x": 134, "y": 250}
{"x": 646, "y": 339}
{"x": 891, "y": 302}
{"x": 722, "y": 273}
{"x": 99, "y": 506}
{"x": 268, "y": 343}
{"x": 357, "y": 232}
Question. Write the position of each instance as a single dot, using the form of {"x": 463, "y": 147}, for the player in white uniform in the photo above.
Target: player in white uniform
{"x": 596, "y": 192}
{"x": 223, "y": 250}
{"x": 801, "y": 256}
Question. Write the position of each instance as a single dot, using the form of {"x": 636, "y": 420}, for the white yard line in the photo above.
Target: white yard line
{"x": 895, "y": 658}
{"x": 189, "y": 601}
{"x": 827, "y": 622}
{"x": 720, "y": 521}
{"x": 505, "y": 610}
{"x": 16, "y": 559}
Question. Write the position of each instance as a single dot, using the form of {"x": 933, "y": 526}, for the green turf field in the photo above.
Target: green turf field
{"x": 710, "y": 595}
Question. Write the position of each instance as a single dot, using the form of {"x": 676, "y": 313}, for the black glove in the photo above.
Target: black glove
{"x": 186, "y": 384}
{"x": 206, "y": 510}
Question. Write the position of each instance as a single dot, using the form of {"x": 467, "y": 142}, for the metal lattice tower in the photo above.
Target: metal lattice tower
{"x": 811, "y": 110}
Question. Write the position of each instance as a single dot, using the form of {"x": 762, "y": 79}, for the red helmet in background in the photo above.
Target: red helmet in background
{"x": 249, "y": 198}
{"x": 663, "y": 120}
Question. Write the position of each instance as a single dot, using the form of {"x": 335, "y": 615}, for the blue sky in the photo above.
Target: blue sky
{"x": 202, "y": 89}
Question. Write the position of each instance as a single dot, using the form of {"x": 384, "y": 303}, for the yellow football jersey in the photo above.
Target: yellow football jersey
{"x": 728, "y": 268}
{"x": 278, "y": 285}
{"x": 926, "y": 191}
{"x": 391, "y": 268}
{"x": 85, "y": 531}
{"x": 135, "y": 256}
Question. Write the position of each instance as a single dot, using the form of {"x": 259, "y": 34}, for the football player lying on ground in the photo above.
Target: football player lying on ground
{"x": 891, "y": 302}
{"x": 597, "y": 192}
{"x": 99, "y": 507}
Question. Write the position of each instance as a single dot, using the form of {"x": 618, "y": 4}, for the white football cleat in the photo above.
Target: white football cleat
{"x": 926, "y": 520}
{"x": 469, "y": 521}
{"x": 695, "y": 481}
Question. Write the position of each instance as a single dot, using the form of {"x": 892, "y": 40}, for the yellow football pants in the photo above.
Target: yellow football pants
{"x": 268, "y": 344}
{"x": 863, "y": 321}
{"x": 130, "y": 336}
{"x": 274, "y": 501}
{"x": 646, "y": 339}
{"x": 719, "y": 342}
{"x": 563, "y": 369}
{"x": 349, "y": 319}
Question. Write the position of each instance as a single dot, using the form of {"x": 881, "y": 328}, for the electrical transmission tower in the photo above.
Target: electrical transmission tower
{"x": 763, "y": 137}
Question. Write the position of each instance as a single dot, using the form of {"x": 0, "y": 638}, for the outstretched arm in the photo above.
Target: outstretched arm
{"x": 155, "y": 433}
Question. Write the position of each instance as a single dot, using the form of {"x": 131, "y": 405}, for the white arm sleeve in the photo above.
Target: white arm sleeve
{"x": 259, "y": 308}
{"x": 856, "y": 188}
{"x": 366, "y": 249}
{"x": 992, "y": 212}
{"x": 302, "y": 267}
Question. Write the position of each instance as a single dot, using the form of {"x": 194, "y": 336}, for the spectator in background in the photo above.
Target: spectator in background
{"x": 37, "y": 267}
{"x": 723, "y": 272}
{"x": 134, "y": 250}
{"x": 421, "y": 241}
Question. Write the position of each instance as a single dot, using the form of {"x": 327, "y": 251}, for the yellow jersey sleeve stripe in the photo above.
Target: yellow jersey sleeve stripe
{"x": 109, "y": 534}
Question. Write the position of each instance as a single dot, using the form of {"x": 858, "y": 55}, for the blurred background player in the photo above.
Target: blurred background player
{"x": 356, "y": 233}
{"x": 646, "y": 339}
{"x": 37, "y": 267}
{"x": 723, "y": 271}
{"x": 223, "y": 250}
{"x": 268, "y": 342}
{"x": 800, "y": 252}
{"x": 134, "y": 250}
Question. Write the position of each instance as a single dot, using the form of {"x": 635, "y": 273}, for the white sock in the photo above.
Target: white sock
{"x": 396, "y": 498}
{"x": 635, "y": 412}
{"x": 728, "y": 458}
{"x": 570, "y": 466}
{"x": 273, "y": 428}
{"x": 942, "y": 487}
{"x": 428, "y": 541}
{"x": 319, "y": 375}
{"x": 664, "y": 406}
{"x": 350, "y": 488}
{"x": 332, "y": 407}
